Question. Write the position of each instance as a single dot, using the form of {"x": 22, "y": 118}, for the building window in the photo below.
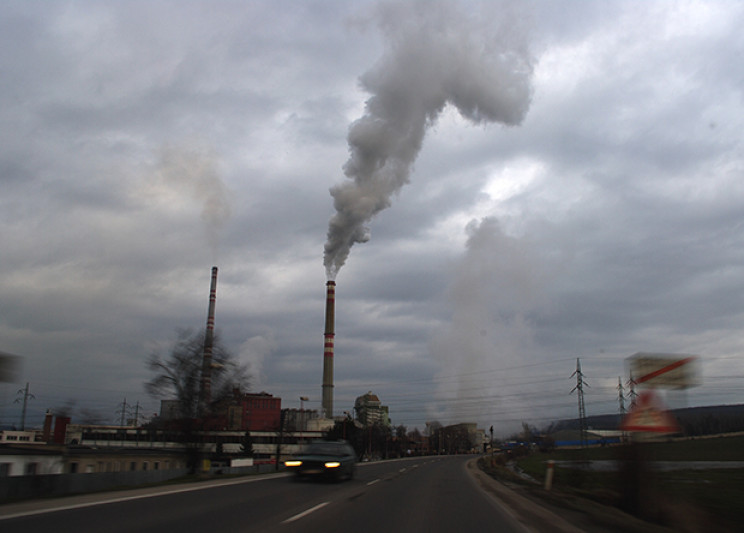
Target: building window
{"x": 73, "y": 468}
{"x": 145, "y": 465}
{"x": 4, "y": 469}
{"x": 132, "y": 466}
{"x": 156, "y": 465}
{"x": 31, "y": 469}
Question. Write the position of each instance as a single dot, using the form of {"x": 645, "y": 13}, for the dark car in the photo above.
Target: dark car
{"x": 325, "y": 459}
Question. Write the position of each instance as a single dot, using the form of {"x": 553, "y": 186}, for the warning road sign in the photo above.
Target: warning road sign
{"x": 649, "y": 415}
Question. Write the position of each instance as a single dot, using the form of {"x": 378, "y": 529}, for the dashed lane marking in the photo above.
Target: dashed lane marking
{"x": 305, "y": 513}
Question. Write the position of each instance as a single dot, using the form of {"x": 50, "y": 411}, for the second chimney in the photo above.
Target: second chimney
{"x": 206, "y": 377}
{"x": 328, "y": 350}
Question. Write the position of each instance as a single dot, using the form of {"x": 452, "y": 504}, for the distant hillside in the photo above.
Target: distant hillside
{"x": 707, "y": 420}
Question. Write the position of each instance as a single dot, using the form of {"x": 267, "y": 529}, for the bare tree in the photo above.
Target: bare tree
{"x": 177, "y": 376}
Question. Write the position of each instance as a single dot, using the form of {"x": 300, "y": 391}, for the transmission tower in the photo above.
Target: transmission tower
{"x": 124, "y": 411}
{"x": 26, "y": 397}
{"x": 582, "y": 410}
{"x": 632, "y": 394}
{"x": 621, "y": 395}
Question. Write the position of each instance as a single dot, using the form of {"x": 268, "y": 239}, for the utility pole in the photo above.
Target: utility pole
{"x": 491, "y": 445}
{"x": 282, "y": 416}
{"x": 580, "y": 389}
{"x": 26, "y": 396}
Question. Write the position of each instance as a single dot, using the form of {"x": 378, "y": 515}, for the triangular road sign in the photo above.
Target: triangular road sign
{"x": 650, "y": 415}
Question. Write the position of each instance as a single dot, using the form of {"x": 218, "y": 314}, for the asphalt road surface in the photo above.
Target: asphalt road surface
{"x": 430, "y": 494}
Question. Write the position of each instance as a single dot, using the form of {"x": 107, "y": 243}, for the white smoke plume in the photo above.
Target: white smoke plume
{"x": 254, "y": 352}
{"x": 498, "y": 283}
{"x": 192, "y": 171}
{"x": 435, "y": 55}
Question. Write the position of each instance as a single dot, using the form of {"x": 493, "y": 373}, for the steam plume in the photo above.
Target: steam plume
{"x": 498, "y": 286}
{"x": 194, "y": 171}
{"x": 434, "y": 56}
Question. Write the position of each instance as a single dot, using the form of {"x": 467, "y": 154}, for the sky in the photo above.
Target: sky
{"x": 497, "y": 188}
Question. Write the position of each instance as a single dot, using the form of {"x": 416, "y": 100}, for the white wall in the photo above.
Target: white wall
{"x": 19, "y": 465}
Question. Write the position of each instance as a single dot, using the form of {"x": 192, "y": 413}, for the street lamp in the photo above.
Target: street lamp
{"x": 303, "y": 422}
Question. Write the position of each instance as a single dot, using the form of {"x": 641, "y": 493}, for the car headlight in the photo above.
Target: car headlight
{"x": 292, "y": 463}
{"x": 332, "y": 464}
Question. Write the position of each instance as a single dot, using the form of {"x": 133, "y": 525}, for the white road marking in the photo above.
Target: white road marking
{"x": 305, "y": 513}
{"x": 372, "y": 482}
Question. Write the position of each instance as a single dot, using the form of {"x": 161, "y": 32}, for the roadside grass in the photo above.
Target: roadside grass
{"x": 712, "y": 496}
{"x": 719, "y": 492}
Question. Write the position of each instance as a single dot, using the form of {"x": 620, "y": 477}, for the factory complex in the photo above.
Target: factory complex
{"x": 234, "y": 432}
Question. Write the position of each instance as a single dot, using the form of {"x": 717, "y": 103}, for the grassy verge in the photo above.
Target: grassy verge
{"x": 690, "y": 497}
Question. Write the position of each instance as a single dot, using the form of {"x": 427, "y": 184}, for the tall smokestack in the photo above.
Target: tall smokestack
{"x": 328, "y": 349}
{"x": 47, "y": 433}
{"x": 206, "y": 377}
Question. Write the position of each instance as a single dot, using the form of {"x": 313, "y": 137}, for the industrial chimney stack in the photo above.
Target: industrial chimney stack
{"x": 206, "y": 376}
{"x": 328, "y": 350}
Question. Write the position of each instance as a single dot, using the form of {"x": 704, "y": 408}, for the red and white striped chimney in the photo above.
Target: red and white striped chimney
{"x": 206, "y": 377}
{"x": 328, "y": 350}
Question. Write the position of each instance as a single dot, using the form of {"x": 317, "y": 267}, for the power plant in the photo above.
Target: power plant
{"x": 206, "y": 376}
{"x": 205, "y": 396}
{"x": 327, "y": 405}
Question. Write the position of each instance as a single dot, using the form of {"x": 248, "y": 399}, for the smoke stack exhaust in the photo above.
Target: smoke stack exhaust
{"x": 206, "y": 377}
{"x": 328, "y": 349}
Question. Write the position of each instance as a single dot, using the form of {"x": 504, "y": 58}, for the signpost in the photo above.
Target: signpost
{"x": 658, "y": 371}
{"x": 664, "y": 370}
{"x": 650, "y": 416}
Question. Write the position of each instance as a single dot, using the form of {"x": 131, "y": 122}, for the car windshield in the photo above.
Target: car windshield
{"x": 326, "y": 448}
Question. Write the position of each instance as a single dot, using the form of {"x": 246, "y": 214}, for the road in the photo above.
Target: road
{"x": 430, "y": 494}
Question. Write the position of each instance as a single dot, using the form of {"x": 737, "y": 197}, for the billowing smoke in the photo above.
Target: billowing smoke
{"x": 434, "y": 56}
{"x": 193, "y": 171}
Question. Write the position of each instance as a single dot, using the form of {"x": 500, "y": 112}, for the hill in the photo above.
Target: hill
{"x": 708, "y": 420}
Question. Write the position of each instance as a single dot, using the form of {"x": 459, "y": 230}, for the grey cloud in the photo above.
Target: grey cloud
{"x": 614, "y": 225}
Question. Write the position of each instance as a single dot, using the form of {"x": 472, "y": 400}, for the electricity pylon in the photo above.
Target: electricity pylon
{"x": 582, "y": 410}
